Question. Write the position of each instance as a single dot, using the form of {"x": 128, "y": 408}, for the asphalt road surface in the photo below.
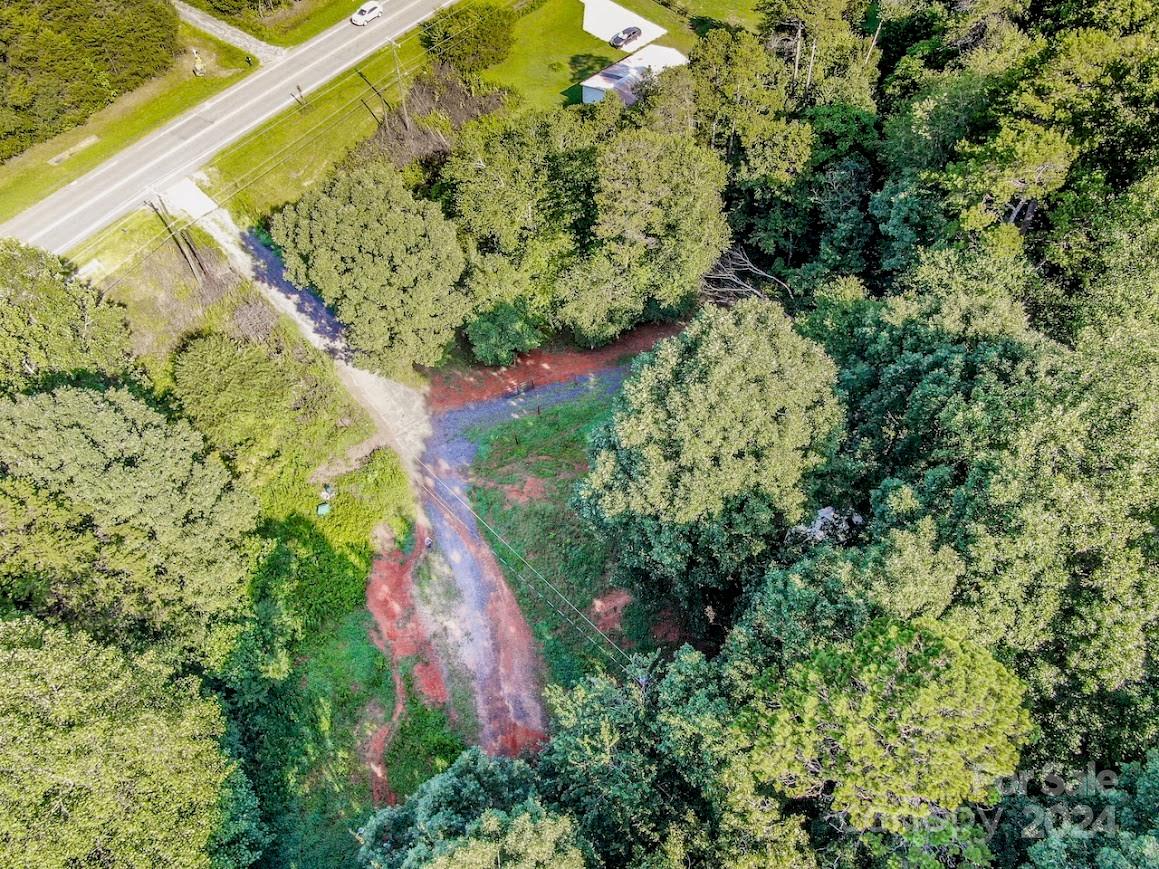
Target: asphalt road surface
{"x": 125, "y": 181}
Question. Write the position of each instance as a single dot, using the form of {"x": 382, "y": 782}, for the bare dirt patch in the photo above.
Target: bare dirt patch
{"x": 372, "y": 748}
{"x": 401, "y": 633}
{"x": 668, "y": 630}
{"x": 452, "y": 389}
{"x": 532, "y": 489}
{"x": 493, "y": 638}
{"x": 607, "y": 610}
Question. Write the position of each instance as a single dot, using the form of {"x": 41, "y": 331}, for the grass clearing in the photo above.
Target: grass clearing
{"x": 425, "y": 745}
{"x": 550, "y": 447}
{"x": 164, "y": 302}
{"x": 290, "y": 25}
{"x": 552, "y": 54}
{"x": 29, "y": 177}
{"x": 680, "y": 33}
{"x": 731, "y": 13}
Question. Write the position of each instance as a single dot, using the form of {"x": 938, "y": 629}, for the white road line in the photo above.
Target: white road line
{"x": 360, "y": 48}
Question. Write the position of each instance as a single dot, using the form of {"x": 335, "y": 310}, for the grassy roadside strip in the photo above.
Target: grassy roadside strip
{"x": 292, "y": 25}
{"x": 297, "y": 147}
{"x": 28, "y": 177}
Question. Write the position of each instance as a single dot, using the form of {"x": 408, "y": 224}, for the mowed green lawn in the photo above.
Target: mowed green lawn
{"x": 552, "y": 55}
{"x": 737, "y": 13}
{"x": 680, "y": 33}
{"x": 29, "y": 177}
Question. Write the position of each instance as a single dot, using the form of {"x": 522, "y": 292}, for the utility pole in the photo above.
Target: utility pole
{"x": 797, "y": 56}
{"x": 872, "y": 43}
{"x": 401, "y": 89}
{"x": 186, "y": 237}
{"x": 162, "y": 215}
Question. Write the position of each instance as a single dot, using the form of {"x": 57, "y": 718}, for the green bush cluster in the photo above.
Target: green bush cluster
{"x": 471, "y": 36}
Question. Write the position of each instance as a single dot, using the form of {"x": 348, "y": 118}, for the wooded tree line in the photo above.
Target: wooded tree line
{"x": 62, "y": 60}
{"x": 157, "y": 575}
{"x": 901, "y": 484}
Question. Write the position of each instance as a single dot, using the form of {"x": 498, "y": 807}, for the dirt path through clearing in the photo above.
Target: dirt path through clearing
{"x": 451, "y": 389}
{"x": 485, "y": 625}
{"x": 493, "y": 636}
{"x": 490, "y": 633}
{"x": 401, "y": 633}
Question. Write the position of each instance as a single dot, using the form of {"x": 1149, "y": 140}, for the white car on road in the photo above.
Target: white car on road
{"x": 366, "y": 13}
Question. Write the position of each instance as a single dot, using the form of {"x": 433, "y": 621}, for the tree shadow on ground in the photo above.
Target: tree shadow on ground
{"x": 702, "y": 24}
{"x": 582, "y": 66}
{"x": 292, "y": 735}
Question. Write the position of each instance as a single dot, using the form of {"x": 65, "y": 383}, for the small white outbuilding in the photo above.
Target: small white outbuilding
{"x": 623, "y": 75}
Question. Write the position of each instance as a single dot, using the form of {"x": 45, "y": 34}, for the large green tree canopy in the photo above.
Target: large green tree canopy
{"x": 388, "y": 263}
{"x": 710, "y": 447}
{"x": 471, "y": 36}
{"x": 658, "y": 229}
{"x": 906, "y": 723}
{"x": 120, "y": 520}
{"x": 111, "y": 760}
{"x": 475, "y": 802}
{"x": 1006, "y": 473}
{"x": 53, "y": 323}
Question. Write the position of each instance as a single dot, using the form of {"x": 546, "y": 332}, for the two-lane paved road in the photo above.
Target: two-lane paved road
{"x": 121, "y": 184}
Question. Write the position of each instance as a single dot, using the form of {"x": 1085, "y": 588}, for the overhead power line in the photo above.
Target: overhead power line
{"x": 559, "y": 595}
{"x": 555, "y": 600}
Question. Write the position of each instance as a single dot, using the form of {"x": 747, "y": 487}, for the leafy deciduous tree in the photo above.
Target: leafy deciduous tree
{"x": 908, "y": 722}
{"x": 52, "y": 323}
{"x": 112, "y": 761}
{"x": 710, "y": 446}
{"x": 118, "y": 519}
{"x": 388, "y": 263}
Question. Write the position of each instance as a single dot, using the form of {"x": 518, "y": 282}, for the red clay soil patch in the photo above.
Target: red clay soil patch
{"x": 451, "y": 389}
{"x": 373, "y": 750}
{"x": 668, "y": 630}
{"x": 517, "y": 740}
{"x": 517, "y": 676}
{"x": 532, "y": 489}
{"x": 608, "y": 610}
{"x": 400, "y": 633}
